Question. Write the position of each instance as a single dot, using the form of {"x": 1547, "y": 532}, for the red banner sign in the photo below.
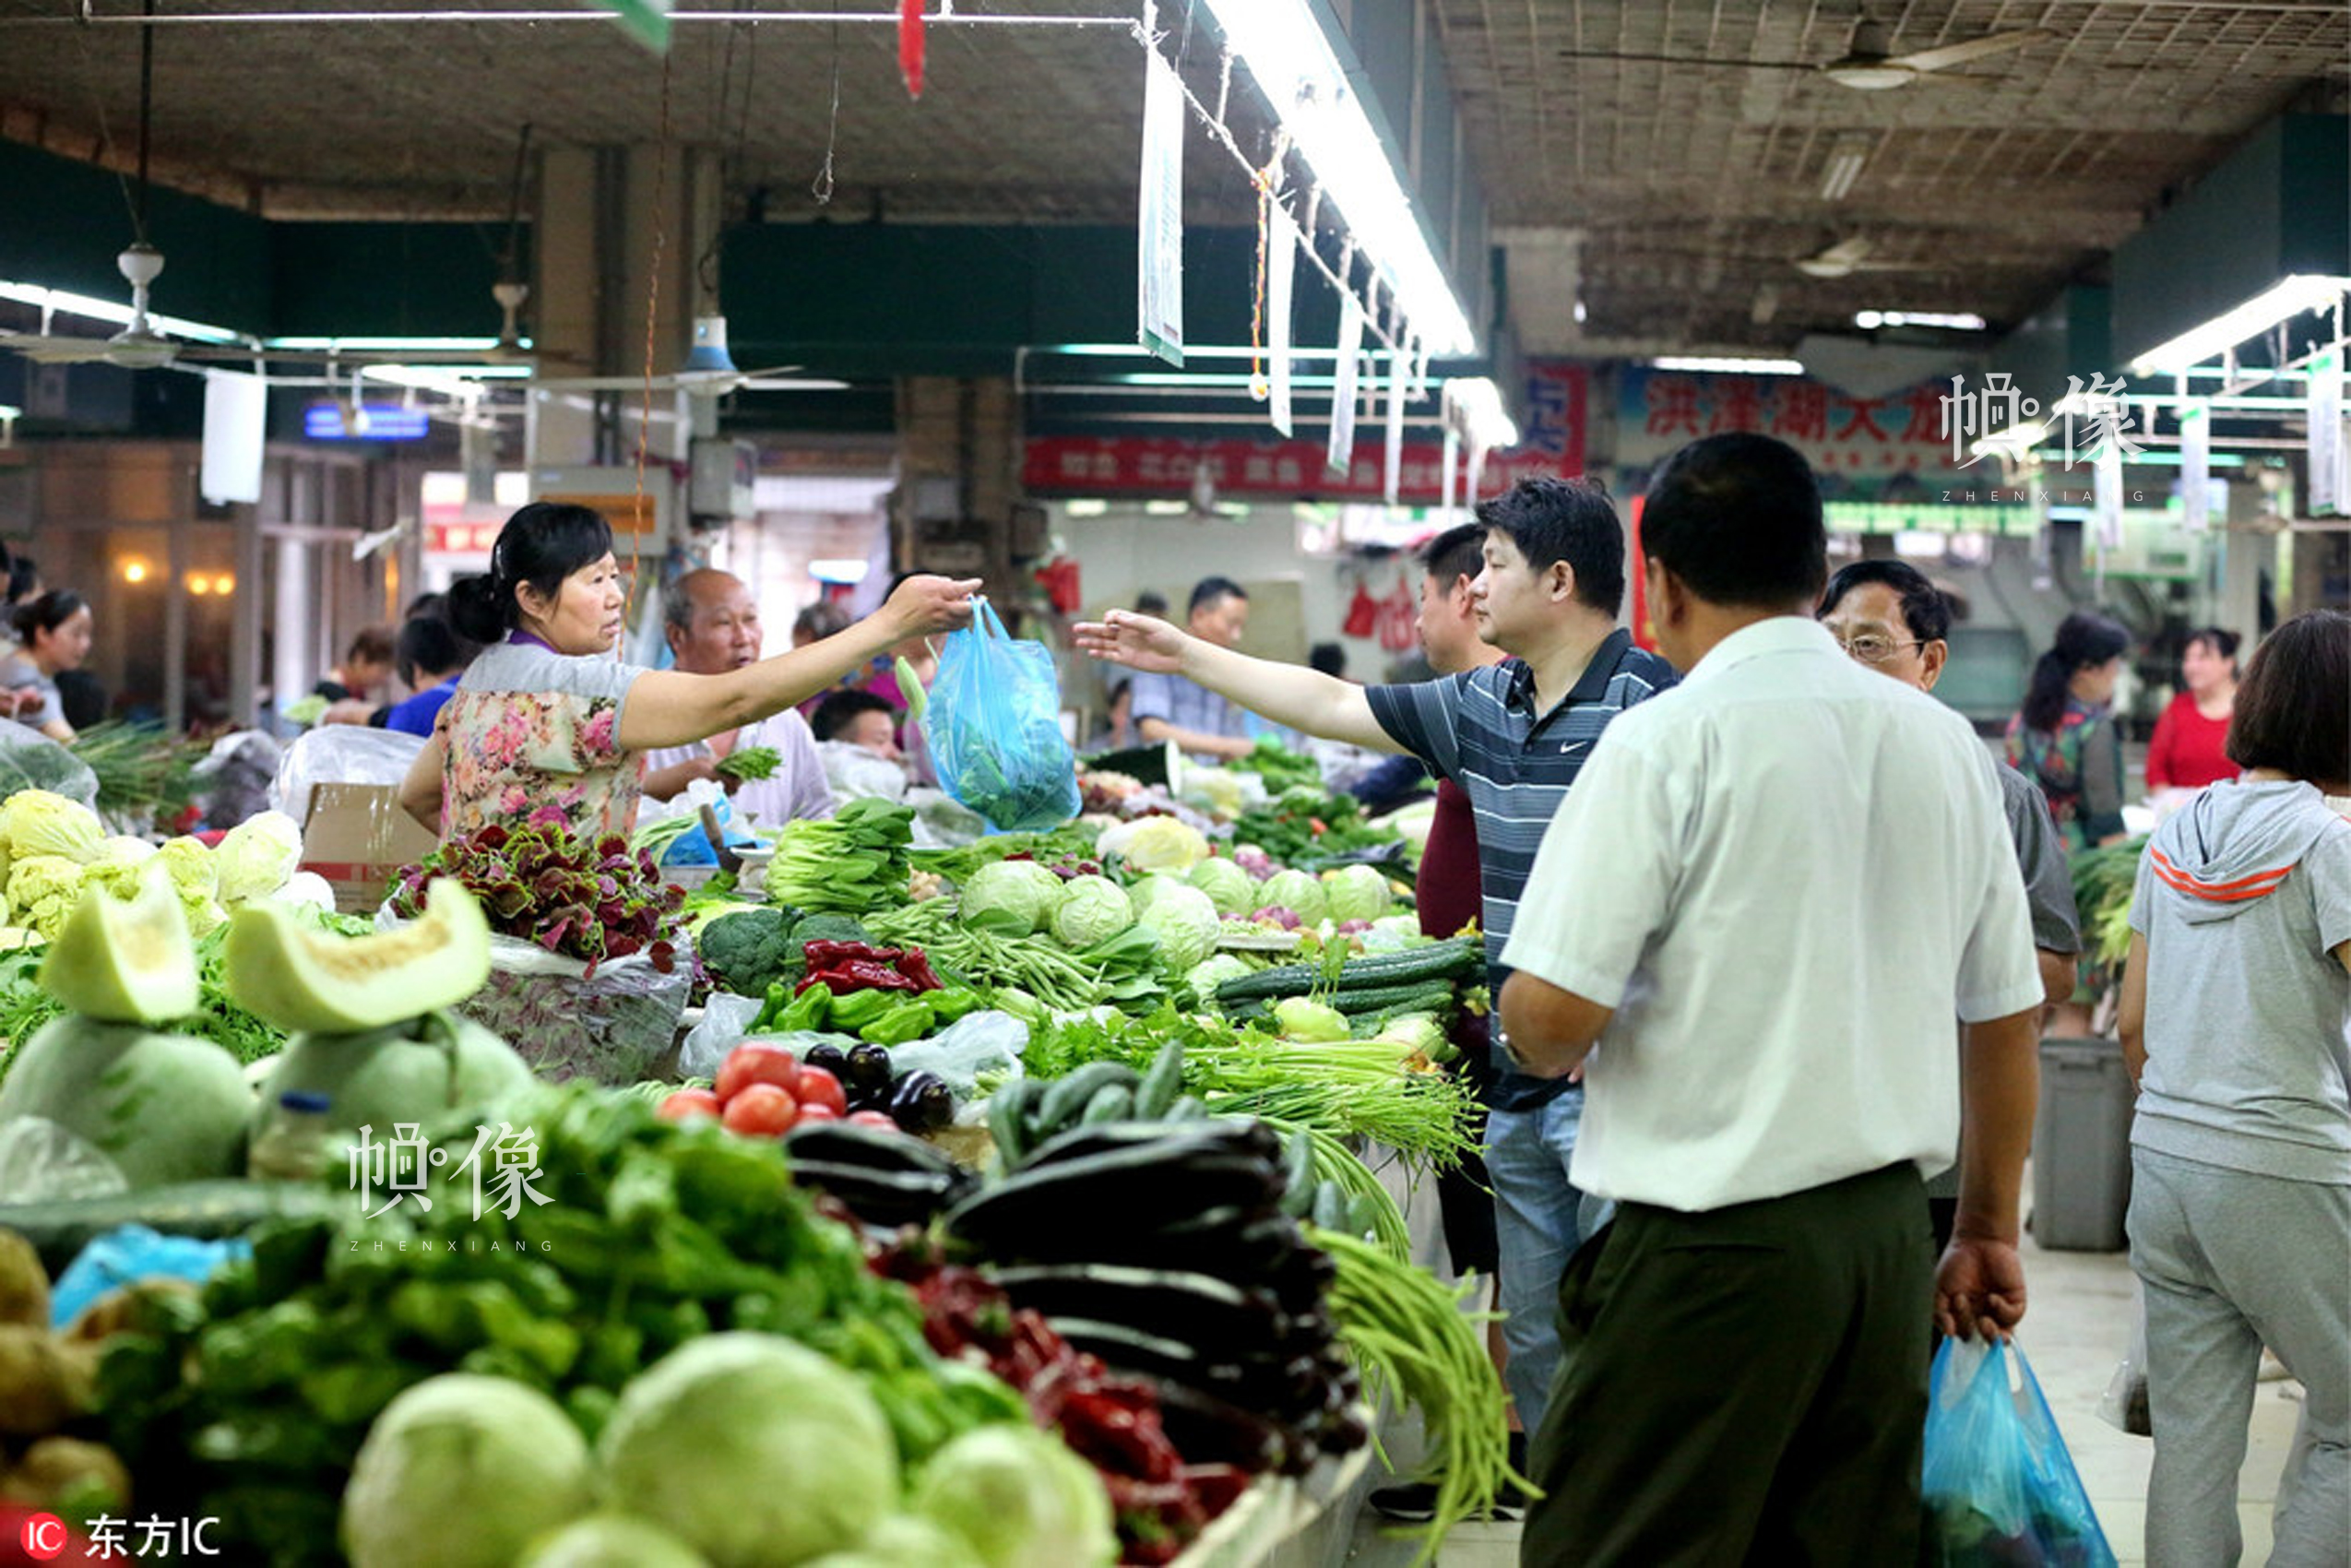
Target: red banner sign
{"x": 1293, "y": 471}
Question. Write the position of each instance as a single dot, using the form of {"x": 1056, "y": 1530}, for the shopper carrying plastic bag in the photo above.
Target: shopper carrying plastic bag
{"x": 993, "y": 720}
{"x": 1999, "y": 1489}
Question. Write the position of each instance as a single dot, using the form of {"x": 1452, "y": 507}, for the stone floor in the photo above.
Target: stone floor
{"x": 2075, "y": 1331}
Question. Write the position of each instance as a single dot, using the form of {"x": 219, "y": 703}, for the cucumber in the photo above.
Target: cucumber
{"x": 1161, "y": 1084}
{"x": 1438, "y": 961}
{"x": 1007, "y": 1119}
{"x": 1429, "y": 996}
{"x": 1066, "y": 1098}
{"x": 207, "y": 1210}
{"x": 1112, "y": 1104}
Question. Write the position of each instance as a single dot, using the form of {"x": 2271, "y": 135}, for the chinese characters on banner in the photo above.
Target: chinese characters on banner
{"x": 1293, "y": 471}
{"x": 1660, "y": 412}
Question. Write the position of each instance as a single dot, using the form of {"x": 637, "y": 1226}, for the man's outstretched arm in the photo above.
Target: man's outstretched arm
{"x": 1306, "y": 700}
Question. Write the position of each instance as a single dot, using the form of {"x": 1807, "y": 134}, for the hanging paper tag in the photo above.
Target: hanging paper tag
{"x": 1281, "y": 266}
{"x": 1400, "y": 372}
{"x": 648, "y": 21}
{"x": 1343, "y": 372}
{"x": 1452, "y": 472}
{"x": 1159, "y": 216}
{"x": 2195, "y": 467}
{"x": 2107, "y": 491}
{"x": 1476, "y": 470}
{"x": 2326, "y": 453}
{"x": 910, "y": 45}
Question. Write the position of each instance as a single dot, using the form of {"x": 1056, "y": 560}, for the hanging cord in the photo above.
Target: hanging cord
{"x": 821, "y": 187}
{"x": 652, "y": 326}
{"x": 145, "y": 107}
{"x": 1268, "y": 199}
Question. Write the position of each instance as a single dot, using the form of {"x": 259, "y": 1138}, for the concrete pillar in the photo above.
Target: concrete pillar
{"x": 618, "y": 239}
{"x": 959, "y": 454}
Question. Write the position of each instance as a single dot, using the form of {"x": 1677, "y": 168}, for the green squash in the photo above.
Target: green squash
{"x": 163, "y": 1107}
{"x": 416, "y": 1071}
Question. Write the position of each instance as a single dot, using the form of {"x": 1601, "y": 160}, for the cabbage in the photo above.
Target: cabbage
{"x": 256, "y": 856}
{"x": 310, "y": 888}
{"x": 1297, "y": 891}
{"x": 1357, "y": 893}
{"x": 609, "y": 1540}
{"x": 1020, "y": 1499}
{"x": 1186, "y": 924}
{"x": 1226, "y": 886}
{"x": 1145, "y": 893}
{"x": 43, "y": 890}
{"x": 463, "y": 1471}
{"x": 1158, "y": 843}
{"x": 703, "y": 1440}
{"x": 39, "y": 822}
{"x": 1310, "y": 1022}
{"x": 1010, "y": 898}
{"x": 1205, "y": 977}
{"x": 1092, "y": 910}
{"x": 1419, "y": 1032}
{"x": 904, "y": 1540}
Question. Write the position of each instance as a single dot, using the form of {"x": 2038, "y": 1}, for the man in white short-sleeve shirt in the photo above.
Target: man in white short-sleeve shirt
{"x": 1756, "y": 914}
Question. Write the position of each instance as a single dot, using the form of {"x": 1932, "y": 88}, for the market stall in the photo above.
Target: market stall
{"x": 1005, "y": 1203}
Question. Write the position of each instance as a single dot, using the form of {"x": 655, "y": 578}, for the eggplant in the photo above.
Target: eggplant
{"x": 830, "y": 1057}
{"x": 868, "y": 1070}
{"x": 921, "y": 1103}
{"x": 1199, "y": 1310}
{"x": 838, "y": 1143}
{"x": 1171, "y": 1140}
{"x": 1105, "y": 1195}
{"x": 1207, "y": 1428}
{"x": 880, "y": 1197}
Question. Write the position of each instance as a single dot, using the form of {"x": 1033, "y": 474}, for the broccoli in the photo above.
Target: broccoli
{"x": 747, "y": 950}
{"x": 828, "y": 928}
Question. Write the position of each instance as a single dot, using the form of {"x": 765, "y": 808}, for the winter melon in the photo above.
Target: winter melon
{"x": 418, "y": 1070}
{"x": 293, "y": 974}
{"x": 163, "y": 1107}
{"x": 125, "y": 960}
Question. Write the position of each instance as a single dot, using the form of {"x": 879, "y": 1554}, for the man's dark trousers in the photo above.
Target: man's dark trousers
{"x": 1746, "y": 1385}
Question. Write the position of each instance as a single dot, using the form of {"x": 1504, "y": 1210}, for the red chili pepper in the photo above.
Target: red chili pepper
{"x": 828, "y": 954}
{"x": 916, "y": 967}
{"x": 860, "y": 974}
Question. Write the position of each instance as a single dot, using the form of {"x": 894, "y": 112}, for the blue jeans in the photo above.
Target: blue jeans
{"x": 1538, "y": 1223}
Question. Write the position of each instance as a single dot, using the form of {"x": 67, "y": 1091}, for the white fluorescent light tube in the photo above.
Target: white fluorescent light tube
{"x": 1847, "y": 155}
{"x": 2284, "y": 300}
{"x": 96, "y": 309}
{"x": 383, "y": 345}
{"x": 1733, "y": 366}
{"x": 1286, "y": 51}
{"x": 1957, "y": 321}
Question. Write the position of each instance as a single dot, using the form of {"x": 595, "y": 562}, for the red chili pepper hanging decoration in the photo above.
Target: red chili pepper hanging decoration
{"x": 910, "y": 45}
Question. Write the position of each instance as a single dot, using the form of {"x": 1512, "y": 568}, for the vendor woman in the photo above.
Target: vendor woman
{"x": 548, "y": 716}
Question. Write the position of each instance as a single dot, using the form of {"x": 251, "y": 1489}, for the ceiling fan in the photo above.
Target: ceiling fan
{"x": 1867, "y": 65}
{"x": 1847, "y": 257}
{"x": 138, "y": 346}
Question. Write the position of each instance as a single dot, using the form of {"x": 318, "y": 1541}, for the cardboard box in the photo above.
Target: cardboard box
{"x": 358, "y": 838}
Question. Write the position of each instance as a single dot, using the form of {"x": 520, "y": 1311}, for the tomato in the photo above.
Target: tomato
{"x": 872, "y": 1119}
{"x": 761, "y": 1108}
{"x": 686, "y": 1104}
{"x": 818, "y": 1086}
{"x": 748, "y": 1064}
{"x": 817, "y": 1110}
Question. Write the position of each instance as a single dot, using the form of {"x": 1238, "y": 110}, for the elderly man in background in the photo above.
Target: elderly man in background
{"x": 712, "y": 626}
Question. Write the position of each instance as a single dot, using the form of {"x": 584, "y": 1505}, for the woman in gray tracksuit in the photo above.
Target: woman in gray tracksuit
{"x": 2236, "y": 1019}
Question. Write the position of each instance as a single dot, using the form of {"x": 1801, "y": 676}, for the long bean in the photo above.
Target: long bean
{"x": 1409, "y": 1333}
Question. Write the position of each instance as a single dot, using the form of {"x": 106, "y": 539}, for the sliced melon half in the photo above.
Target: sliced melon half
{"x": 125, "y": 960}
{"x": 300, "y": 978}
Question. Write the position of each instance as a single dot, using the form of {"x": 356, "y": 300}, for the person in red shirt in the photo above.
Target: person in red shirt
{"x": 2189, "y": 749}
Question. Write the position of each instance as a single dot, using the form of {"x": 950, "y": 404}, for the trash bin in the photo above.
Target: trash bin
{"x": 2081, "y": 1146}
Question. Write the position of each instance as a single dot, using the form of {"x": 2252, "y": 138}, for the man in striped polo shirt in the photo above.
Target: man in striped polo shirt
{"x": 1514, "y": 736}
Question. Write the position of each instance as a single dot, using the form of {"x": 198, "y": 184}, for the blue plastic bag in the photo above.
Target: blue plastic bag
{"x": 132, "y": 1252}
{"x": 1999, "y": 1489}
{"x": 994, "y": 724}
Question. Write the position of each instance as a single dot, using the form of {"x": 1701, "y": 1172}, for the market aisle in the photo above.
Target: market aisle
{"x": 2074, "y": 1332}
